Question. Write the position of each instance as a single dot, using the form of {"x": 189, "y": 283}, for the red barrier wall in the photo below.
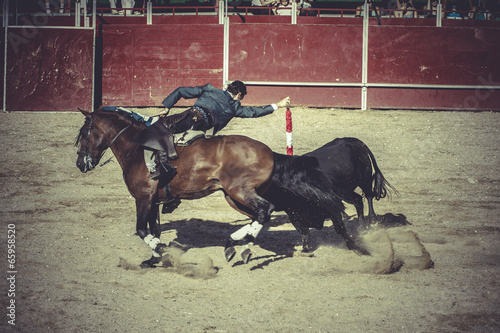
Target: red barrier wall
{"x": 143, "y": 64}
{"x": 297, "y": 53}
{"x": 49, "y": 69}
{"x": 418, "y": 55}
{"x": 286, "y": 52}
{"x": 139, "y": 64}
{"x": 430, "y": 55}
{"x": 434, "y": 56}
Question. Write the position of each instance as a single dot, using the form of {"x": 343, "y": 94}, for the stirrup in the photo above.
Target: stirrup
{"x": 170, "y": 206}
{"x": 156, "y": 174}
{"x": 169, "y": 172}
{"x": 164, "y": 168}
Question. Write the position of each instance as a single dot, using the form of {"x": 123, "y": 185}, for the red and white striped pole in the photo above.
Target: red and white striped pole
{"x": 289, "y": 143}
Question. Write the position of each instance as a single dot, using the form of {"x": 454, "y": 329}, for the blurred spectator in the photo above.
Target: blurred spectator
{"x": 431, "y": 8}
{"x": 406, "y": 9}
{"x": 262, "y": 3}
{"x": 61, "y": 7}
{"x": 283, "y": 8}
{"x": 359, "y": 10}
{"x": 138, "y": 5}
{"x": 496, "y": 10}
{"x": 112, "y": 4}
{"x": 305, "y": 8}
{"x": 128, "y": 5}
{"x": 478, "y": 10}
{"x": 47, "y": 6}
{"x": 454, "y": 15}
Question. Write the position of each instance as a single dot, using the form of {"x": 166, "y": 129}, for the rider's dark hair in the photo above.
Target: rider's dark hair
{"x": 237, "y": 87}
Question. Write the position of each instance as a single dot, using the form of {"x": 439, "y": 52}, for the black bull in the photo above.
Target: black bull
{"x": 350, "y": 164}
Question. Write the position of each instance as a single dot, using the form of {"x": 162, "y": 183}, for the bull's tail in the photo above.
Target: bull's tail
{"x": 300, "y": 177}
{"x": 381, "y": 187}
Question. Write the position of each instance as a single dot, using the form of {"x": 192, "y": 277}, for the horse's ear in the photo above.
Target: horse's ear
{"x": 85, "y": 113}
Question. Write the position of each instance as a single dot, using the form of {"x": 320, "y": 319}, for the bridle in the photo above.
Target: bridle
{"x": 88, "y": 158}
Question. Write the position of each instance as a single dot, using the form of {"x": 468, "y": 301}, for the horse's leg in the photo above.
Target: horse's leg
{"x": 247, "y": 202}
{"x": 339, "y": 226}
{"x": 147, "y": 212}
{"x": 229, "y": 250}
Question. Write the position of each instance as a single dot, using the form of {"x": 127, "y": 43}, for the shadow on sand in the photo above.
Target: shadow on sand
{"x": 198, "y": 233}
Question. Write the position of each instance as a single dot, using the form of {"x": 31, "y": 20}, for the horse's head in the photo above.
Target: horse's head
{"x": 91, "y": 142}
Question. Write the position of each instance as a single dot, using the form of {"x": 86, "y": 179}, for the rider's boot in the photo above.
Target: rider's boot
{"x": 165, "y": 169}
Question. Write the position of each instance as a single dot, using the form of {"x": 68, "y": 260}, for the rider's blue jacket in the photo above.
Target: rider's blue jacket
{"x": 219, "y": 102}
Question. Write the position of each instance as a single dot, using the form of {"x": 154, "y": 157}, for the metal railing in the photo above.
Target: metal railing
{"x": 84, "y": 14}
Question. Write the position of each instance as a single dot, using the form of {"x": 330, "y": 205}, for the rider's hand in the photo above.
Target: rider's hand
{"x": 285, "y": 102}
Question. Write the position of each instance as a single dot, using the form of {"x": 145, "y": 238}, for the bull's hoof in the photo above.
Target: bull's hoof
{"x": 229, "y": 253}
{"x": 246, "y": 255}
{"x": 179, "y": 246}
{"x": 361, "y": 251}
{"x": 163, "y": 248}
{"x": 150, "y": 263}
{"x": 306, "y": 249}
{"x": 309, "y": 253}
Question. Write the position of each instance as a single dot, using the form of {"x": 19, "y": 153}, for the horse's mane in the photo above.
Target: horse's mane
{"x": 116, "y": 114}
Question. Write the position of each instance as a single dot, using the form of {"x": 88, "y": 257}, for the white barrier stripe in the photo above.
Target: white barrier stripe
{"x": 289, "y": 141}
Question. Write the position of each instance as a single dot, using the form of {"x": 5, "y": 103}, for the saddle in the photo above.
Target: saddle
{"x": 186, "y": 138}
{"x": 160, "y": 166}
{"x": 182, "y": 136}
{"x": 165, "y": 171}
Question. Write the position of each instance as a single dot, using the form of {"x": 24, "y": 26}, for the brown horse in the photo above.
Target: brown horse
{"x": 239, "y": 166}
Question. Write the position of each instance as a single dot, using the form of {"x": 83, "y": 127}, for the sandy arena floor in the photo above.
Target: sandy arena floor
{"x": 77, "y": 254}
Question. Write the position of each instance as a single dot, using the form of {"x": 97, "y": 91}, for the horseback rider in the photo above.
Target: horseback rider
{"x": 214, "y": 108}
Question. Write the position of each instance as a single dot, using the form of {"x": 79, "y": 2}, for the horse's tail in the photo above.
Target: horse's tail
{"x": 301, "y": 177}
{"x": 381, "y": 187}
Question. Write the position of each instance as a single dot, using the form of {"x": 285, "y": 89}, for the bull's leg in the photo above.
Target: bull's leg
{"x": 306, "y": 241}
{"x": 371, "y": 212}
{"x": 357, "y": 201}
{"x": 299, "y": 221}
{"x": 339, "y": 226}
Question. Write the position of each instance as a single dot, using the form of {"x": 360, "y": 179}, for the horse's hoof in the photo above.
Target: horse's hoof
{"x": 229, "y": 253}
{"x": 161, "y": 248}
{"x": 148, "y": 263}
{"x": 151, "y": 262}
{"x": 246, "y": 255}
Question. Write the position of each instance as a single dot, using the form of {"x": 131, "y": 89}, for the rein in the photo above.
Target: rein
{"x": 109, "y": 145}
{"x": 113, "y": 141}
{"x": 119, "y": 133}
